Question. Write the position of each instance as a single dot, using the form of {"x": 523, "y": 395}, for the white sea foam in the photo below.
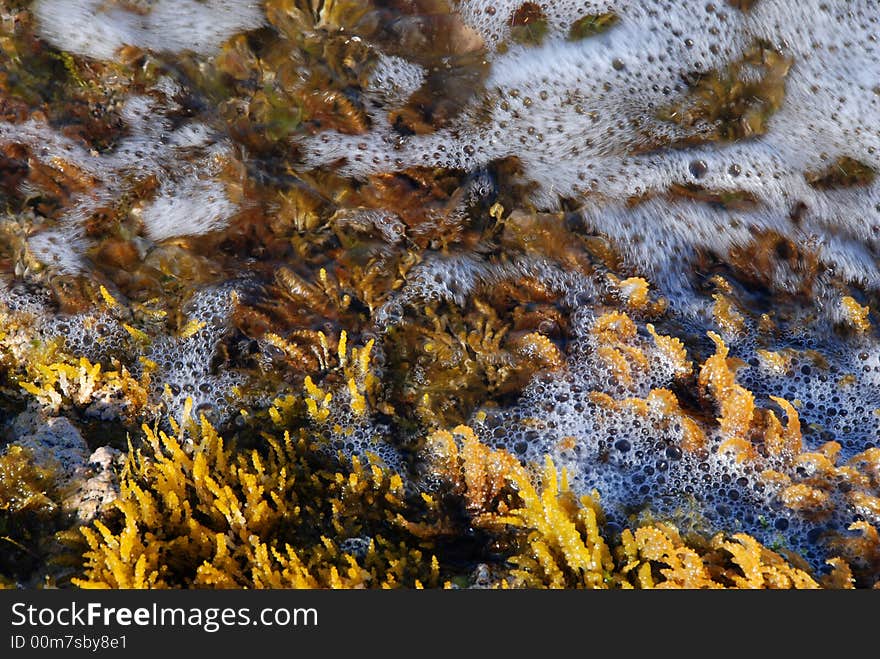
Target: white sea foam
{"x": 98, "y": 28}
{"x": 184, "y": 159}
{"x": 583, "y": 118}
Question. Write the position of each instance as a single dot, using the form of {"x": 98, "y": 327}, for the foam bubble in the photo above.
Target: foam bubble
{"x": 186, "y": 161}
{"x": 97, "y": 28}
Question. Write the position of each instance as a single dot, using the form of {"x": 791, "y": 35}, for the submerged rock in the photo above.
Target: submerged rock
{"x": 55, "y": 443}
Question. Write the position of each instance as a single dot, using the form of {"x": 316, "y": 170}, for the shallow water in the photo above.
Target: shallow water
{"x": 545, "y": 221}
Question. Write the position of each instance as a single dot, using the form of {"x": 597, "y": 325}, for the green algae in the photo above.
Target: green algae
{"x": 528, "y": 24}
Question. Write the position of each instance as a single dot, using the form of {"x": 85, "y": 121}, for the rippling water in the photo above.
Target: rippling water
{"x": 637, "y": 237}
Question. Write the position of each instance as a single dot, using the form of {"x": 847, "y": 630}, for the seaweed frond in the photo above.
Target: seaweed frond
{"x": 195, "y": 512}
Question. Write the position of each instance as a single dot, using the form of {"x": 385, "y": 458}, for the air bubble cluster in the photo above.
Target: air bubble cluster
{"x": 100, "y": 29}
{"x": 614, "y": 432}
{"x": 185, "y": 158}
{"x": 186, "y": 364}
{"x": 609, "y": 120}
{"x": 190, "y": 366}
